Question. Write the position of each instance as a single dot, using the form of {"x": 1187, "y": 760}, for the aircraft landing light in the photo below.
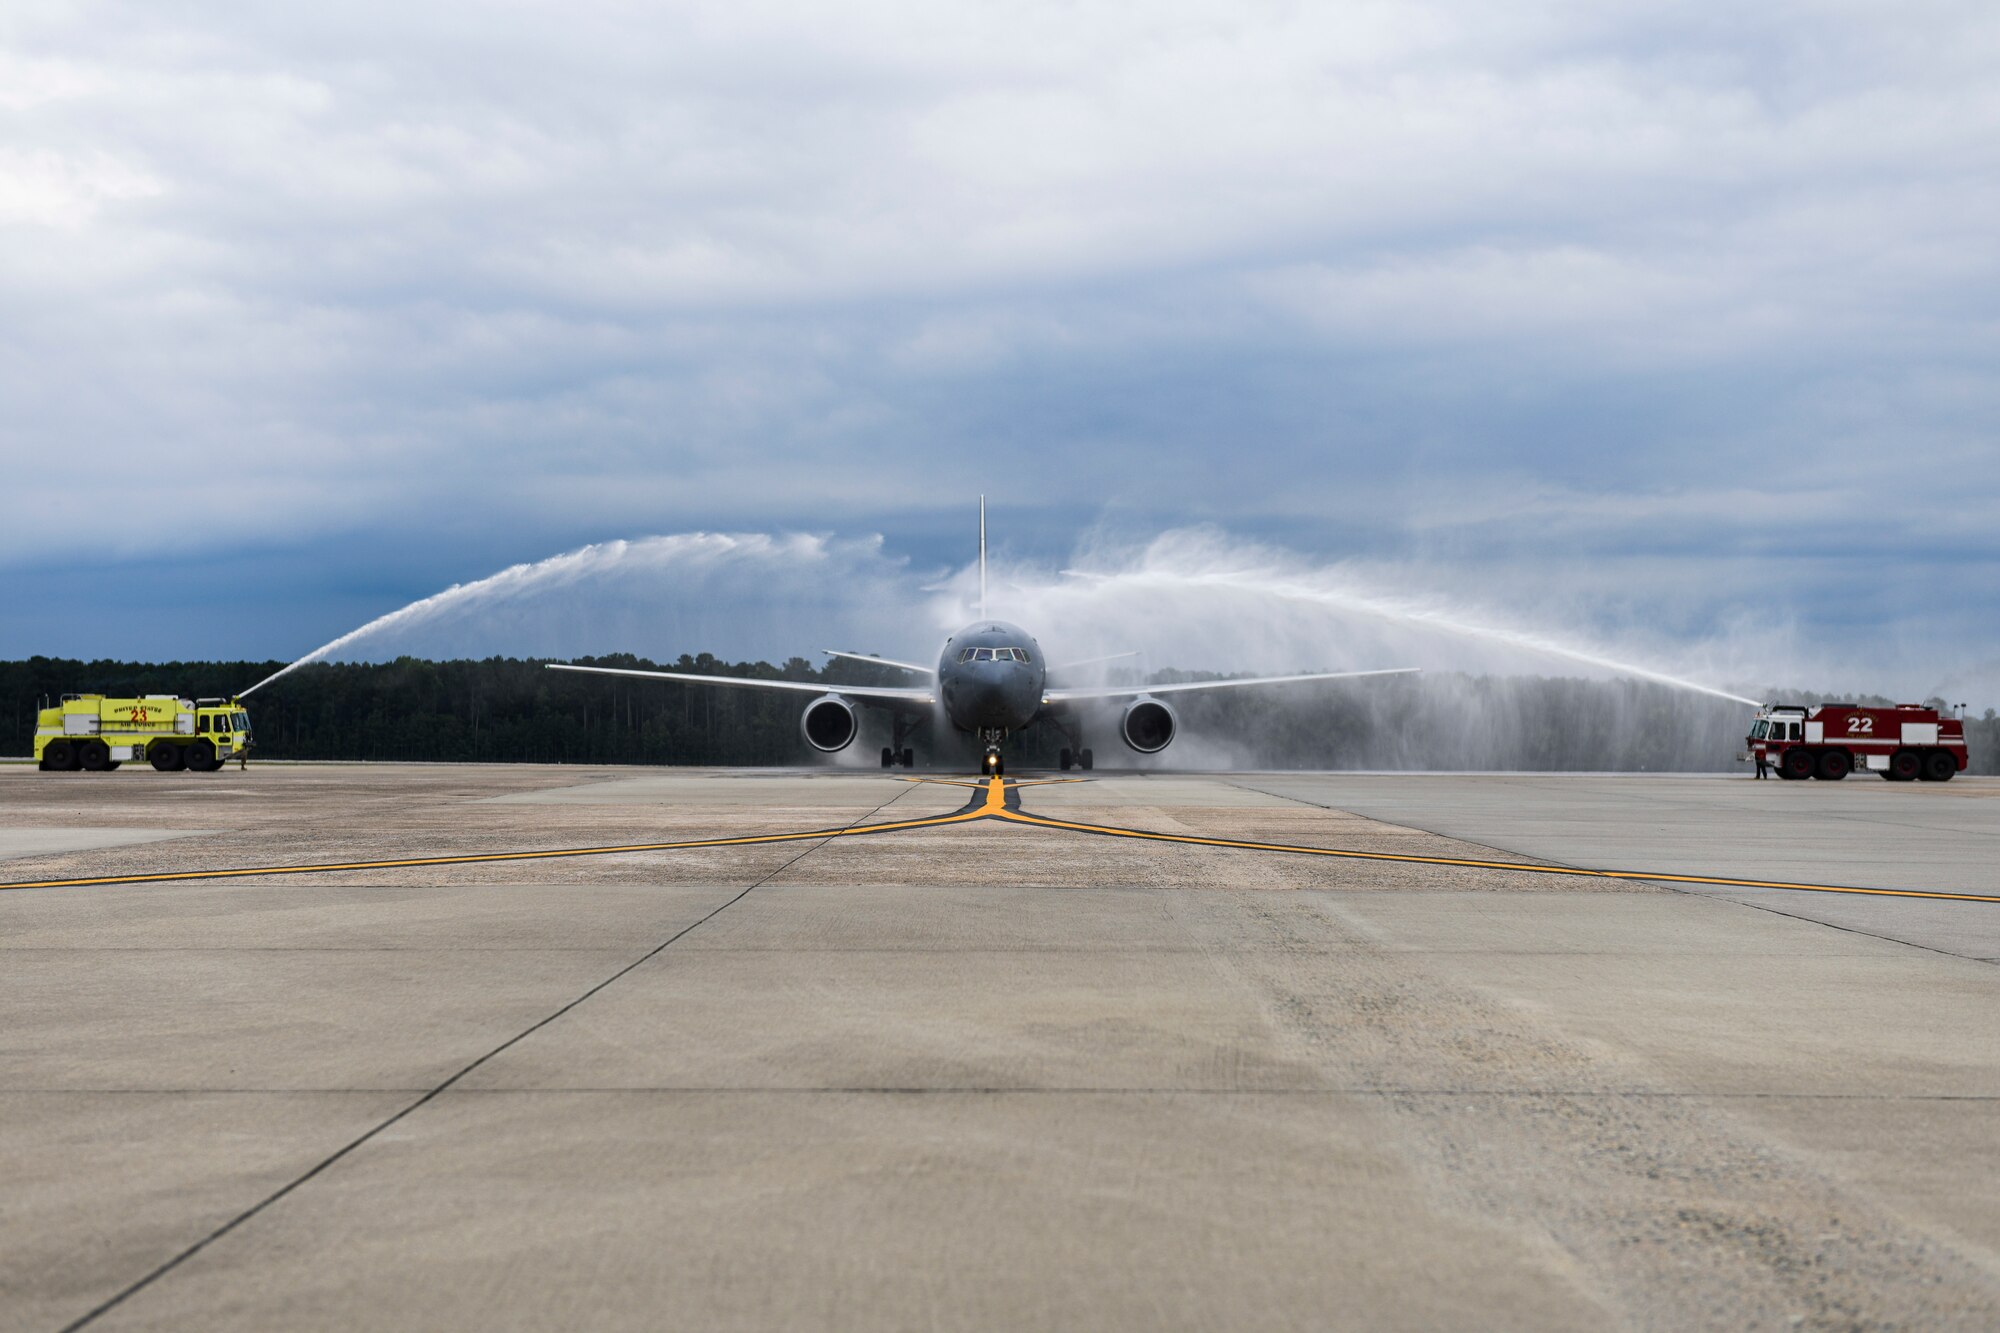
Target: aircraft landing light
{"x": 997, "y": 798}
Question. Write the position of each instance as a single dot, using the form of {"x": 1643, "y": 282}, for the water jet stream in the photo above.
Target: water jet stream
{"x": 1376, "y": 607}
{"x": 700, "y": 548}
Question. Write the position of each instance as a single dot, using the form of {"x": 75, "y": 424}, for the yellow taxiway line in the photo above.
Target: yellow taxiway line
{"x": 1042, "y": 821}
{"x": 994, "y": 806}
{"x": 476, "y": 858}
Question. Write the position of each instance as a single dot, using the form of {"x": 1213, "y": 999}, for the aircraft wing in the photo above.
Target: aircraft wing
{"x": 1055, "y": 698}
{"x": 907, "y": 700}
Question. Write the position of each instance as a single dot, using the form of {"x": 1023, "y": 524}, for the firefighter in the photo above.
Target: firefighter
{"x": 1761, "y": 765}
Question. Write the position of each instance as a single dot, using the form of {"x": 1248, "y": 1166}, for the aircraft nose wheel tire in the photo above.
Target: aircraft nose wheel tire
{"x": 995, "y": 765}
{"x": 888, "y": 757}
{"x": 1065, "y": 759}
{"x": 1087, "y": 760}
{"x": 909, "y": 759}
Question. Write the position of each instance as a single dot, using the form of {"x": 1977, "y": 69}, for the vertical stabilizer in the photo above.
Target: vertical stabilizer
{"x": 982, "y": 557}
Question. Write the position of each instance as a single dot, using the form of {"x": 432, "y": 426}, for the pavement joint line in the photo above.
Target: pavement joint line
{"x": 1558, "y": 869}
{"x": 1001, "y": 801}
{"x": 1004, "y": 1090}
{"x": 1775, "y": 910}
{"x": 161, "y": 1270}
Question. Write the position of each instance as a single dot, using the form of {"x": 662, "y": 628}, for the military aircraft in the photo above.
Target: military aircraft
{"x": 991, "y": 681}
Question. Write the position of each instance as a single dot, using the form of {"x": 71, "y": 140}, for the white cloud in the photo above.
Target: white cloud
{"x": 538, "y": 267}
{"x": 45, "y": 189}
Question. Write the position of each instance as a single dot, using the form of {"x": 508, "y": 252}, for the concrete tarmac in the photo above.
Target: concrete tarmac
{"x": 988, "y": 1073}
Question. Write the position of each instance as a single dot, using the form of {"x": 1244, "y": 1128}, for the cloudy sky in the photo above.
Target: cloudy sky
{"x": 1676, "y": 320}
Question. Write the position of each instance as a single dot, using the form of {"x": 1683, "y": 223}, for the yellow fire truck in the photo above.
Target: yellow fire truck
{"x": 92, "y": 732}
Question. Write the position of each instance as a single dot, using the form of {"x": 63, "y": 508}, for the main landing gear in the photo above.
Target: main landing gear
{"x": 1073, "y": 755}
{"x": 896, "y": 751}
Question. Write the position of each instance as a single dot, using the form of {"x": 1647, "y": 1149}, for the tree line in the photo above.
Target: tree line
{"x": 513, "y": 710}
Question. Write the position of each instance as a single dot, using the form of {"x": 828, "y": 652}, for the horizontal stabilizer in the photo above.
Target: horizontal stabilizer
{"x": 868, "y": 693}
{"x": 1092, "y": 661}
{"x": 880, "y": 661}
{"x": 1133, "y": 691}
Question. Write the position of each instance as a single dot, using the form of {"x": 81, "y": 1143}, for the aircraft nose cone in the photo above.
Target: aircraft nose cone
{"x": 985, "y": 694}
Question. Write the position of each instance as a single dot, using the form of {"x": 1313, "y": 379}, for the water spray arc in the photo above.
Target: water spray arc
{"x": 1393, "y": 611}
{"x": 692, "y": 549}
{"x": 1189, "y": 594}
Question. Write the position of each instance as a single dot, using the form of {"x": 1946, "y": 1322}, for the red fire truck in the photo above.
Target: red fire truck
{"x": 1829, "y": 741}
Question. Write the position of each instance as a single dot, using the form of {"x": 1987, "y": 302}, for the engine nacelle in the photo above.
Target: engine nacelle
{"x": 1148, "y": 725}
{"x": 830, "y": 723}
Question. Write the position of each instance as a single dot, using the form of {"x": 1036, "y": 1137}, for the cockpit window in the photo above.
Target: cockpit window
{"x": 993, "y": 654}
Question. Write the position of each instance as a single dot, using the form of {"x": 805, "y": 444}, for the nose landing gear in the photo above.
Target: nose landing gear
{"x": 993, "y": 765}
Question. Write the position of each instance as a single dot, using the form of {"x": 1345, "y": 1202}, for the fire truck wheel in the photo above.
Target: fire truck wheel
{"x": 95, "y": 756}
{"x": 201, "y": 757}
{"x": 1834, "y": 765}
{"x": 1904, "y": 766}
{"x": 58, "y": 757}
{"x": 1797, "y": 766}
{"x": 1939, "y": 766}
{"x": 166, "y": 756}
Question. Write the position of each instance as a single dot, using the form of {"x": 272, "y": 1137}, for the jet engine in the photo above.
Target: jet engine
{"x": 830, "y": 723}
{"x": 1148, "y": 725}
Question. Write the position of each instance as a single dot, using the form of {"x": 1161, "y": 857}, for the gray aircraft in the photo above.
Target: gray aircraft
{"x": 991, "y": 681}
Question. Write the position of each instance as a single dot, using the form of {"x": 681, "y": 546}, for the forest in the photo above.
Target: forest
{"x": 508, "y": 710}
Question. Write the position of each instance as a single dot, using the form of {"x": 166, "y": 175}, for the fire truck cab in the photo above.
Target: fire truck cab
{"x": 1829, "y": 741}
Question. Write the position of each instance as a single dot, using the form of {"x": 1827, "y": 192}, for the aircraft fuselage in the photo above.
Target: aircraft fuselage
{"x": 991, "y": 676}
